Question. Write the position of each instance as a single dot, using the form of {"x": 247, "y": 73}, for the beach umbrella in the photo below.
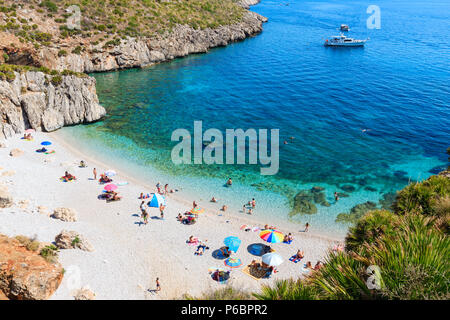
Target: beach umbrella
{"x": 30, "y": 131}
{"x": 271, "y": 236}
{"x": 272, "y": 259}
{"x": 110, "y": 187}
{"x": 233, "y": 262}
{"x": 46, "y": 143}
{"x": 110, "y": 173}
{"x": 157, "y": 200}
{"x": 197, "y": 211}
{"x": 233, "y": 243}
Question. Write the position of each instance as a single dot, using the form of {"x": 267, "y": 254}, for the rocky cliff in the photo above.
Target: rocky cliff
{"x": 24, "y": 274}
{"x": 136, "y": 53}
{"x": 44, "y": 102}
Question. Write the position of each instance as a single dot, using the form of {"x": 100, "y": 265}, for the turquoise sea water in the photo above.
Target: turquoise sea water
{"x": 397, "y": 87}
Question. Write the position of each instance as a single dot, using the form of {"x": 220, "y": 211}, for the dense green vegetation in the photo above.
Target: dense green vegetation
{"x": 399, "y": 254}
{"x": 7, "y": 72}
{"x": 116, "y": 18}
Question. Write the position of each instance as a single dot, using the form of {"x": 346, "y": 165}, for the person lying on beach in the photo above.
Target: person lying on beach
{"x": 318, "y": 265}
{"x": 288, "y": 238}
{"x": 254, "y": 264}
{"x": 83, "y": 164}
{"x": 28, "y": 136}
{"x": 114, "y": 197}
{"x": 43, "y": 149}
{"x": 225, "y": 251}
{"x": 104, "y": 179}
{"x": 213, "y": 199}
{"x": 201, "y": 248}
{"x": 338, "y": 248}
{"x": 308, "y": 265}
{"x": 180, "y": 217}
{"x": 67, "y": 176}
{"x": 300, "y": 254}
{"x": 268, "y": 249}
{"x": 192, "y": 239}
{"x": 224, "y": 207}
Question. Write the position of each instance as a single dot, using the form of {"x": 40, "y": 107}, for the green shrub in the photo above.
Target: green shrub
{"x": 369, "y": 228}
{"x": 50, "y": 253}
{"x": 56, "y": 80}
{"x": 62, "y": 53}
{"x": 422, "y": 197}
{"x": 77, "y": 50}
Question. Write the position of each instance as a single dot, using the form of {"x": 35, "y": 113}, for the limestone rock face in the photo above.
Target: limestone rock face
{"x": 137, "y": 53}
{"x": 24, "y": 274}
{"x": 33, "y": 101}
{"x": 16, "y": 153}
{"x": 65, "y": 214}
{"x": 6, "y": 200}
{"x": 72, "y": 240}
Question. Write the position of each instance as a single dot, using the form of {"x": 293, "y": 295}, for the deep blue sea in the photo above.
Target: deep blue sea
{"x": 396, "y": 87}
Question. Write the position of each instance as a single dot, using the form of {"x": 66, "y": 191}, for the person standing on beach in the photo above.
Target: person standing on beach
{"x": 144, "y": 214}
{"x": 161, "y": 209}
{"x": 95, "y": 173}
{"x": 253, "y": 203}
{"x": 306, "y": 227}
{"x": 158, "y": 285}
{"x": 166, "y": 188}
{"x": 194, "y": 204}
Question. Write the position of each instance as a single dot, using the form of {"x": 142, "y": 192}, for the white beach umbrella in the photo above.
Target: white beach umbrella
{"x": 110, "y": 173}
{"x": 272, "y": 259}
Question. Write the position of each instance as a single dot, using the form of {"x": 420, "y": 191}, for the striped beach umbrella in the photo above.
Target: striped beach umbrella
{"x": 271, "y": 236}
{"x": 233, "y": 262}
{"x": 157, "y": 200}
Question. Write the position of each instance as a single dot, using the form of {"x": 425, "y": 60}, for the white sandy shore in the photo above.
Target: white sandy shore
{"x": 129, "y": 256}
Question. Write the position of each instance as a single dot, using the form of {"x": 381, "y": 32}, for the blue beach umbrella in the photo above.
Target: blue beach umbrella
{"x": 157, "y": 200}
{"x": 233, "y": 243}
{"x": 46, "y": 143}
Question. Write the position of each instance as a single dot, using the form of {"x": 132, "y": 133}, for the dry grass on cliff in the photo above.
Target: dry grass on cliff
{"x": 34, "y": 21}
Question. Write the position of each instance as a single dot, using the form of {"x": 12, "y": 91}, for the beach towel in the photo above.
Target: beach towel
{"x": 256, "y": 229}
{"x": 288, "y": 242}
{"x": 50, "y": 152}
{"x": 122, "y": 183}
{"x": 294, "y": 259}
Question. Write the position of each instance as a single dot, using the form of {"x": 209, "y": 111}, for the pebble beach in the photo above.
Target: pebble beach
{"x": 128, "y": 256}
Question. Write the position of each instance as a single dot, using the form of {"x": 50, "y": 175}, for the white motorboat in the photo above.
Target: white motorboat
{"x": 343, "y": 41}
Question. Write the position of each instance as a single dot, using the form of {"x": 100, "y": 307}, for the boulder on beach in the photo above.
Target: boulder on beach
{"x": 6, "y": 200}
{"x": 84, "y": 294}
{"x": 72, "y": 240}
{"x": 16, "y": 153}
{"x": 24, "y": 274}
{"x": 65, "y": 214}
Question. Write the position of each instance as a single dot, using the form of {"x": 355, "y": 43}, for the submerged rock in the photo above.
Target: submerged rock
{"x": 348, "y": 188}
{"x": 356, "y": 212}
{"x": 387, "y": 200}
{"x": 305, "y": 201}
{"x": 369, "y": 188}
